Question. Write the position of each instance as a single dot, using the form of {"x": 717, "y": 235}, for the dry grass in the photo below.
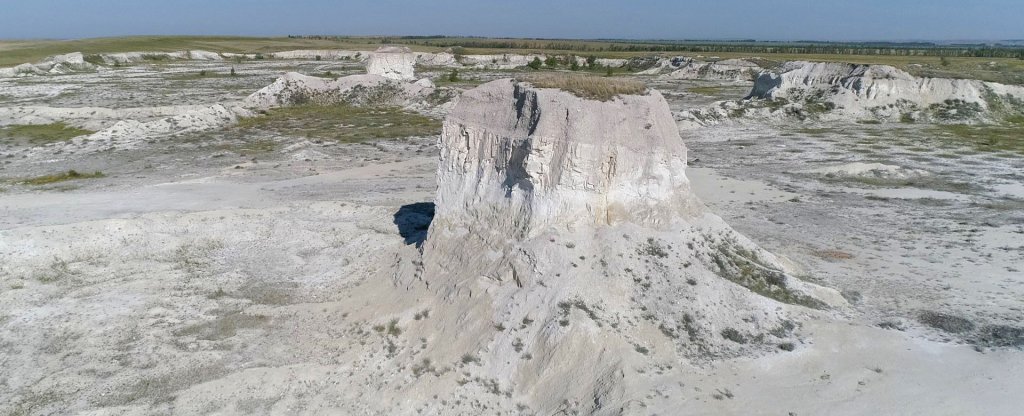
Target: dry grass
{"x": 39, "y": 134}
{"x": 587, "y": 86}
{"x": 831, "y": 254}
{"x": 61, "y": 177}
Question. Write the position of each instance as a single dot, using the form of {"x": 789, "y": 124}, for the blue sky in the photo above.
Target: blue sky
{"x": 663, "y": 19}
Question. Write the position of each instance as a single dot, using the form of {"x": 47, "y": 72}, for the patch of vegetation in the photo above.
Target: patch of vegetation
{"x": 987, "y": 138}
{"x": 733, "y": 335}
{"x": 393, "y": 329}
{"x": 60, "y": 177}
{"x": 224, "y": 326}
{"x": 343, "y": 123}
{"x": 586, "y": 86}
{"x": 945, "y": 322}
{"x": 953, "y": 110}
{"x": 39, "y": 134}
{"x": 423, "y": 367}
{"x": 1001, "y": 336}
{"x": 653, "y": 248}
{"x": 747, "y": 269}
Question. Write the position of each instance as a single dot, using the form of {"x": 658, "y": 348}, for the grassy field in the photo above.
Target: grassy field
{"x": 343, "y": 123}
{"x": 1006, "y": 70}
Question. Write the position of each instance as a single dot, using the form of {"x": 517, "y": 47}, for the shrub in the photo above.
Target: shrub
{"x": 535, "y": 63}
{"x": 609, "y": 72}
{"x": 734, "y": 336}
{"x": 551, "y": 62}
{"x": 454, "y": 76}
{"x": 591, "y": 61}
{"x": 233, "y": 73}
{"x": 945, "y": 322}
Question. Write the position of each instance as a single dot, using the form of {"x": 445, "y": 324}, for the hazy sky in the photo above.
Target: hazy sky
{"x": 664, "y": 19}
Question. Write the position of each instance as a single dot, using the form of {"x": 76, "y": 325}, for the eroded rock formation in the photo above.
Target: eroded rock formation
{"x": 572, "y": 220}
{"x": 393, "y": 62}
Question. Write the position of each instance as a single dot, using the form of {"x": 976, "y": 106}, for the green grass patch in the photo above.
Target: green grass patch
{"x": 343, "y": 123}
{"x": 61, "y": 177}
{"x": 40, "y": 134}
{"x": 985, "y": 138}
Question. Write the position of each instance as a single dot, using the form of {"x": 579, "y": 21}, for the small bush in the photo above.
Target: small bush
{"x": 61, "y": 177}
{"x": 734, "y": 336}
{"x": 945, "y": 322}
{"x": 535, "y": 63}
{"x": 454, "y": 76}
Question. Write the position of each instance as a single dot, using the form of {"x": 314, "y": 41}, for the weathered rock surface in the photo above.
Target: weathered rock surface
{"x": 393, "y": 62}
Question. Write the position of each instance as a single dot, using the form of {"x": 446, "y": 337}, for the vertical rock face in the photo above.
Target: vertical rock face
{"x": 525, "y": 160}
{"x": 395, "y": 62}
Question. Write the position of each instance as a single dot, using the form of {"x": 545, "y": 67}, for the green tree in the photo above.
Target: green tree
{"x": 535, "y": 63}
{"x": 551, "y": 62}
{"x": 591, "y": 61}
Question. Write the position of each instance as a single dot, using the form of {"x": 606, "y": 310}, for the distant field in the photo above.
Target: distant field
{"x": 1005, "y": 70}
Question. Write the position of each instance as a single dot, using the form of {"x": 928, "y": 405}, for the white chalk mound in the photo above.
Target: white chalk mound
{"x": 296, "y": 89}
{"x": 54, "y": 65}
{"x": 575, "y": 218}
{"x": 394, "y": 62}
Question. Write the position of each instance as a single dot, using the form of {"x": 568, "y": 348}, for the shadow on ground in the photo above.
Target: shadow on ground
{"x": 413, "y": 220}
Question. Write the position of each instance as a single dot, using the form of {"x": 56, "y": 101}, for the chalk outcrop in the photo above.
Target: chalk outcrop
{"x": 725, "y": 70}
{"x": 576, "y": 216}
{"x": 296, "y": 89}
{"x": 394, "y": 62}
{"x": 548, "y": 203}
{"x": 883, "y": 92}
{"x": 54, "y": 65}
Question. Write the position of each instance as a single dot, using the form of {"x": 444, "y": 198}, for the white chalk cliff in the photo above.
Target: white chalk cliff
{"x": 883, "y": 91}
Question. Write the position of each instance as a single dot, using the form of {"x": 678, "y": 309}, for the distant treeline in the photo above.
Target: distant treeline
{"x": 706, "y": 47}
